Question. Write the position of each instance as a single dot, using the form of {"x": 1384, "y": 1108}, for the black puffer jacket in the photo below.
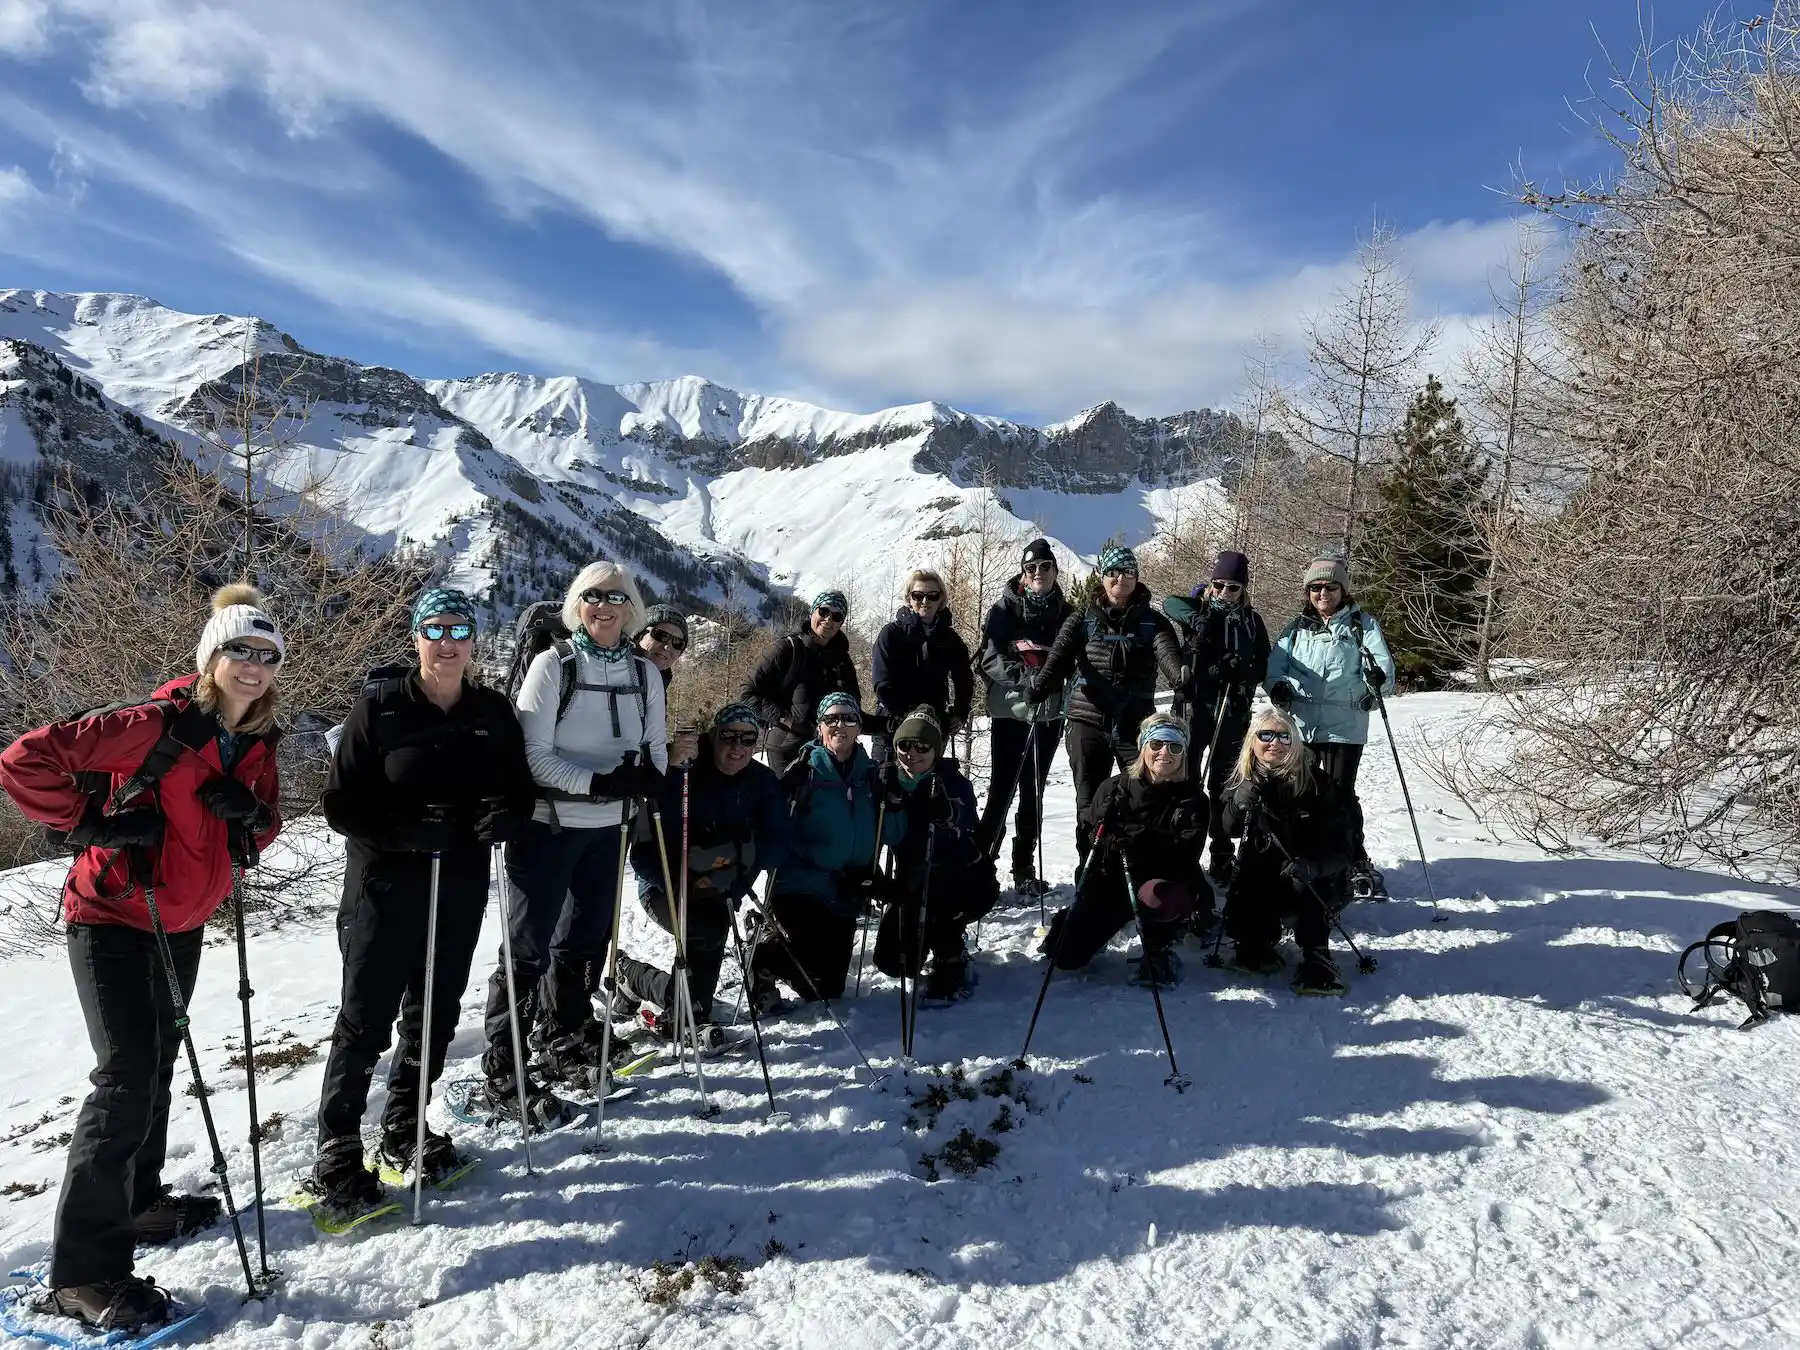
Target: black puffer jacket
{"x": 1227, "y": 649}
{"x": 1114, "y": 656}
{"x": 1160, "y": 826}
{"x": 923, "y": 663}
{"x": 1015, "y": 644}
{"x": 1315, "y": 827}
{"x": 794, "y": 674}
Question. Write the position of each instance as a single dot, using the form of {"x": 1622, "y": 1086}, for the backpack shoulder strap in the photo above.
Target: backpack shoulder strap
{"x": 186, "y": 726}
{"x": 565, "y": 656}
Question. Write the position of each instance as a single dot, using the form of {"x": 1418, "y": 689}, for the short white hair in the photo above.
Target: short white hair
{"x": 603, "y": 576}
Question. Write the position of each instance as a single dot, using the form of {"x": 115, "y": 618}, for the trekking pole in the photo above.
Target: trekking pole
{"x": 512, "y": 991}
{"x": 918, "y": 965}
{"x": 1366, "y": 964}
{"x": 1050, "y": 964}
{"x": 768, "y": 903}
{"x": 775, "y": 1117}
{"x": 193, "y": 1057}
{"x": 780, "y": 935}
{"x": 435, "y": 813}
{"x": 245, "y": 994}
{"x": 1424, "y": 867}
{"x": 684, "y": 1006}
{"x": 1176, "y": 1079}
{"x": 611, "y": 974}
{"x": 874, "y": 867}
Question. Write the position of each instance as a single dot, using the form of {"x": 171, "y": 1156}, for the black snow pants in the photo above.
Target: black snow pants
{"x": 1019, "y": 759}
{"x": 1102, "y": 907}
{"x": 815, "y": 960}
{"x": 1339, "y": 763}
{"x": 1094, "y": 756}
{"x": 708, "y": 934}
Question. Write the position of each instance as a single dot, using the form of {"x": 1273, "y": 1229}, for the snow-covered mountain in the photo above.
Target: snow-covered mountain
{"x": 712, "y": 494}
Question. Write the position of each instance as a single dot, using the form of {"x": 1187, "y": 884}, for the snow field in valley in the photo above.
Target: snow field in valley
{"x": 1511, "y": 1134}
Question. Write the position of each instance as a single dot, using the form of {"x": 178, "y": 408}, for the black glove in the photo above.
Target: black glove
{"x": 1300, "y": 871}
{"x": 1281, "y": 694}
{"x": 952, "y": 725}
{"x": 940, "y": 808}
{"x": 1374, "y": 676}
{"x": 1232, "y": 663}
{"x": 650, "y": 781}
{"x": 497, "y": 824}
{"x": 632, "y": 779}
{"x": 229, "y": 799}
{"x": 887, "y": 775}
{"x": 139, "y": 828}
{"x": 1246, "y": 796}
{"x": 435, "y": 832}
{"x": 1037, "y": 694}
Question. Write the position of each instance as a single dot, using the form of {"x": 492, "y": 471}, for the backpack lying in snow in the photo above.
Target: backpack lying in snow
{"x": 1755, "y": 957}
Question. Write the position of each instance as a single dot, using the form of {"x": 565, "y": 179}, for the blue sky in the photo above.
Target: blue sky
{"x": 1020, "y": 207}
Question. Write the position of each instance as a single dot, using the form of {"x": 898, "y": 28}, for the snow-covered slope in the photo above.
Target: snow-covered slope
{"x": 1512, "y": 1135}
{"x": 710, "y": 492}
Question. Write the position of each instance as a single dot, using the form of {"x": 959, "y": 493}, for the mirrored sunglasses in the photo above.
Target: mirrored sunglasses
{"x": 673, "y": 641}
{"x": 605, "y": 598}
{"x": 912, "y": 747}
{"x": 1117, "y": 573}
{"x": 840, "y": 720}
{"x": 919, "y": 597}
{"x": 243, "y": 651}
{"x": 1271, "y": 737}
{"x": 437, "y": 632}
{"x": 747, "y": 739}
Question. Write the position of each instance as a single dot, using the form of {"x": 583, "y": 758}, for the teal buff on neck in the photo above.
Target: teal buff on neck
{"x": 910, "y": 781}
{"x": 584, "y": 642}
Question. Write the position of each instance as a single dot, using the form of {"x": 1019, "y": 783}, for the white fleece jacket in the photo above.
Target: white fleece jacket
{"x": 566, "y": 755}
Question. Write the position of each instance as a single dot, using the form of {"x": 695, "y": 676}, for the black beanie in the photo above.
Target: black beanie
{"x": 1038, "y": 550}
{"x": 1232, "y": 567}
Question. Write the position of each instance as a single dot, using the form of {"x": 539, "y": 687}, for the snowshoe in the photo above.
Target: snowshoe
{"x": 1159, "y": 966}
{"x": 572, "y": 1061}
{"x": 171, "y": 1217}
{"x": 1251, "y": 958}
{"x": 950, "y": 980}
{"x": 46, "y": 1319}
{"x": 443, "y": 1165}
{"x": 494, "y": 1100}
{"x": 622, "y": 1005}
{"x": 1318, "y": 975}
{"x": 1029, "y": 887}
{"x": 1367, "y": 883}
{"x": 342, "y": 1193}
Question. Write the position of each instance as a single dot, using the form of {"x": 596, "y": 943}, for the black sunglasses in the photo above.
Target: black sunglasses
{"x": 1039, "y": 568}
{"x": 912, "y": 747}
{"x": 743, "y": 738}
{"x": 1271, "y": 737}
{"x": 1227, "y": 587}
{"x": 605, "y": 597}
{"x": 832, "y": 615}
{"x": 918, "y": 596}
{"x": 1116, "y": 574}
{"x": 437, "y": 632}
{"x": 241, "y": 651}
{"x": 1324, "y": 586}
{"x": 673, "y": 641}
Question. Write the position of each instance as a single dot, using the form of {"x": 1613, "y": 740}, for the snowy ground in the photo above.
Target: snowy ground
{"x": 1512, "y": 1134}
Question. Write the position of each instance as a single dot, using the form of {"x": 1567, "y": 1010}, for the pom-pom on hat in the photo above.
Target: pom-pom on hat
{"x": 237, "y": 613}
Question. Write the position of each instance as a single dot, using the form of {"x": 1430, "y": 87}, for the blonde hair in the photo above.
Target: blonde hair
{"x": 604, "y": 576}
{"x": 926, "y": 574}
{"x": 1298, "y": 768}
{"x": 1161, "y": 719}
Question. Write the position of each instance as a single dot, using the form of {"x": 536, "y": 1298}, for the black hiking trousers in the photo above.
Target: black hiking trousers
{"x": 121, "y": 1135}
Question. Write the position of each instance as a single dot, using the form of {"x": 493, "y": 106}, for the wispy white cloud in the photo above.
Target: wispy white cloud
{"x": 24, "y": 26}
{"x": 16, "y": 187}
{"x": 905, "y": 228}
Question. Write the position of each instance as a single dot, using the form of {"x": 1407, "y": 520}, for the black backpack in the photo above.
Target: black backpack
{"x": 186, "y": 726}
{"x": 1755, "y": 957}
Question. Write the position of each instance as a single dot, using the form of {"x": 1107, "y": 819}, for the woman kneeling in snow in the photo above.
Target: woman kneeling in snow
{"x": 1297, "y": 831}
{"x": 1150, "y": 825}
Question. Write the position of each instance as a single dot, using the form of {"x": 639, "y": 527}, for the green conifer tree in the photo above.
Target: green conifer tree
{"x": 1423, "y": 556}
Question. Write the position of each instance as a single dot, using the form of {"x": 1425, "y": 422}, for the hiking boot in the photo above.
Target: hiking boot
{"x": 1254, "y": 958}
{"x": 948, "y": 978}
{"x": 1028, "y": 886}
{"x": 764, "y": 995}
{"x": 395, "y": 1155}
{"x": 1318, "y": 974}
{"x": 1366, "y": 881}
{"x": 172, "y": 1216}
{"x": 128, "y": 1304}
{"x": 342, "y": 1180}
{"x": 573, "y": 1061}
{"x": 498, "y": 1095}
{"x": 621, "y": 1004}
{"x": 1202, "y": 923}
{"x": 1159, "y": 966}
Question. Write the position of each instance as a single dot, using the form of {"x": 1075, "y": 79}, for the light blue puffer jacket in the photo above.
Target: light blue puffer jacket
{"x": 1323, "y": 662}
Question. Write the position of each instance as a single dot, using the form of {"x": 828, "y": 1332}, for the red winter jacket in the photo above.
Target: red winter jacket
{"x": 192, "y": 867}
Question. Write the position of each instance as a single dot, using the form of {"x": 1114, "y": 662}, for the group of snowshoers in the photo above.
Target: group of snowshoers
{"x": 579, "y": 774}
